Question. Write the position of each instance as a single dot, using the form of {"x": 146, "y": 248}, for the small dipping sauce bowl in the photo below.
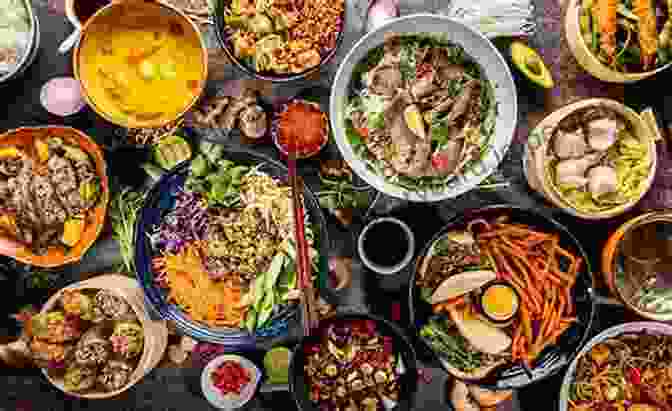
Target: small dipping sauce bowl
{"x": 386, "y": 245}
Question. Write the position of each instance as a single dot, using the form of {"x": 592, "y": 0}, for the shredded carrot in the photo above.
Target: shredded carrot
{"x": 216, "y": 303}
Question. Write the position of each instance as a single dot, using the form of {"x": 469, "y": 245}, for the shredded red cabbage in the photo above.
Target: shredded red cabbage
{"x": 185, "y": 223}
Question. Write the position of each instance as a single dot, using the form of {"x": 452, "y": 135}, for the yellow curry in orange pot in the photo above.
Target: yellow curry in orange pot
{"x": 142, "y": 64}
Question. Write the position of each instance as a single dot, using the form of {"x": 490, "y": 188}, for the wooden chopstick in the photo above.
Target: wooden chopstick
{"x": 303, "y": 259}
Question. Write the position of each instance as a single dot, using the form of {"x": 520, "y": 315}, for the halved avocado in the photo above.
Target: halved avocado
{"x": 528, "y": 61}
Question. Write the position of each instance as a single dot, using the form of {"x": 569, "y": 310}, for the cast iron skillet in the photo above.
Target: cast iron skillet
{"x": 553, "y": 358}
{"x": 227, "y": 46}
{"x": 408, "y": 382}
{"x": 160, "y": 200}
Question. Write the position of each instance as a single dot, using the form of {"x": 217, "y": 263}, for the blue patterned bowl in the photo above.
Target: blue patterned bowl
{"x": 159, "y": 201}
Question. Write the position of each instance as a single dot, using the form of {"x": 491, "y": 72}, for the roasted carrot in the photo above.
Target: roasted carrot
{"x": 547, "y": 309}
{"x": 443, "y": 306}
{"x": 565, "y": 277}
{"x": 558, "y": 332}
{"x": 532, "y": 290}
{"x": 555, "y": 280}
{"x": 526, "y": 323}
{"x": 515, "y": 343}
{"x": 556, "y": 319}
{"x": 568, "y": 298}
{"x": 565, "y": 254}
{"x": 546, "y": 323}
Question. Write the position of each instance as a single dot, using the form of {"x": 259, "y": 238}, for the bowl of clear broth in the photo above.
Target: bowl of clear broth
{"x": 637, "y": 264}
{"x": 140, "y": 64}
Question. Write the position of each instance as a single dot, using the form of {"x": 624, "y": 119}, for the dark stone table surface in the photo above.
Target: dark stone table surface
{"x": 170, "y": 388}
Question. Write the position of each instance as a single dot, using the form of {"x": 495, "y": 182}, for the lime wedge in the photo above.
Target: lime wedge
{"x": 276, "y": 363}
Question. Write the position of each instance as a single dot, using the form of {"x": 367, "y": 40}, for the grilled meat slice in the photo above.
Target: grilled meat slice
{"x": 44, "y": 194}
{"x": 11, "y": 166}
{"x": 62, "y": 174}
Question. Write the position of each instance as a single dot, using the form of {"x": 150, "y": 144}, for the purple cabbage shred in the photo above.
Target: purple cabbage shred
{"x": 186, "y": 222}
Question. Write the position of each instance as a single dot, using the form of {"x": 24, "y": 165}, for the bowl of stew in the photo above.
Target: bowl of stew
{"x": 354, "y": 361}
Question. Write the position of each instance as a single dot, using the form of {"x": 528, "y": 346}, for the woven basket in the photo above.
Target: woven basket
{"x": 156, "y": 332}
{"x": 535, "y": 159}
{"x": 588, "y": 60}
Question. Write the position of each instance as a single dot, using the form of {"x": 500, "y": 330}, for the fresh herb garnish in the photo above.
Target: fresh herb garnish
{"x": 455, "y": 87}
{"x": 341, "y": 194}
{"x": 370, "y": 61}
{"x": 124, "y": 210}
{"x": 407, "y": 59}
{"x": 219, "y": 182}
{"x": 353, "y": 136}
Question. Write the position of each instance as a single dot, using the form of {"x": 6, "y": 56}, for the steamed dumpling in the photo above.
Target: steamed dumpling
{"x": 603, "y": 133}
{"x": 570, "y": 144}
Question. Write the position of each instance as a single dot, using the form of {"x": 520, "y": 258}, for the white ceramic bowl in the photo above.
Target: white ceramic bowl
{"x": 481, "y": 50}
{"x": 650, "y": 327}
{"x": 230, "y": 401}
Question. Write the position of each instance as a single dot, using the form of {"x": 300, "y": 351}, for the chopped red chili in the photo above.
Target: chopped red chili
{"x": 231, "y": 377}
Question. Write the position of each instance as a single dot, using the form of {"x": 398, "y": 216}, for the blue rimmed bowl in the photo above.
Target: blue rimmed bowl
{"x": 160, "y": 200}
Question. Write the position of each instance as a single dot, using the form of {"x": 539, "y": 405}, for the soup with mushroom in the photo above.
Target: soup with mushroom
{"x": 421, "y": 112}
{"x": 143, "y": 66}
{"x": 596, "y": 161}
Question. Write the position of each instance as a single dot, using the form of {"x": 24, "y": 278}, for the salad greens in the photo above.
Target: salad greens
{"x": 218, "y": 179}
{"x": 451, "y": 346}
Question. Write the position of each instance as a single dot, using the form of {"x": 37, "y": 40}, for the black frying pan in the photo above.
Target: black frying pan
{"x": 553, "y": 358}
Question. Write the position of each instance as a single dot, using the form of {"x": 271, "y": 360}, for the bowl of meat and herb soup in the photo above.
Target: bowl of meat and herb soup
{"x": 423, "y": 108}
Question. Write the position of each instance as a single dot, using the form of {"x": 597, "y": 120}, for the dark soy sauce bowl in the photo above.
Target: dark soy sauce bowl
{"x": 385, "y": 244}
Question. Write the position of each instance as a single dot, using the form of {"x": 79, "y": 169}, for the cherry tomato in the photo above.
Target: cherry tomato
{"x": 440, "y": 161}
{"x": 635, "y": 376}
{"x": 362, "y": 131}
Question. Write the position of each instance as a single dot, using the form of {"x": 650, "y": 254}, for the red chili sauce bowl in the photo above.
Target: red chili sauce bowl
{"x": 300, "y": 127}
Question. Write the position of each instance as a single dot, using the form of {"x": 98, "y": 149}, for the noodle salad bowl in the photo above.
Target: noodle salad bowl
{"x": 423, "y": 108}
{"x": 637, "y": 386}
{"x": 219, "y": 262}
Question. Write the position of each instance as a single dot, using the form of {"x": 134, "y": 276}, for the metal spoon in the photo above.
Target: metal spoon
{"x": 70, "y": 41}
